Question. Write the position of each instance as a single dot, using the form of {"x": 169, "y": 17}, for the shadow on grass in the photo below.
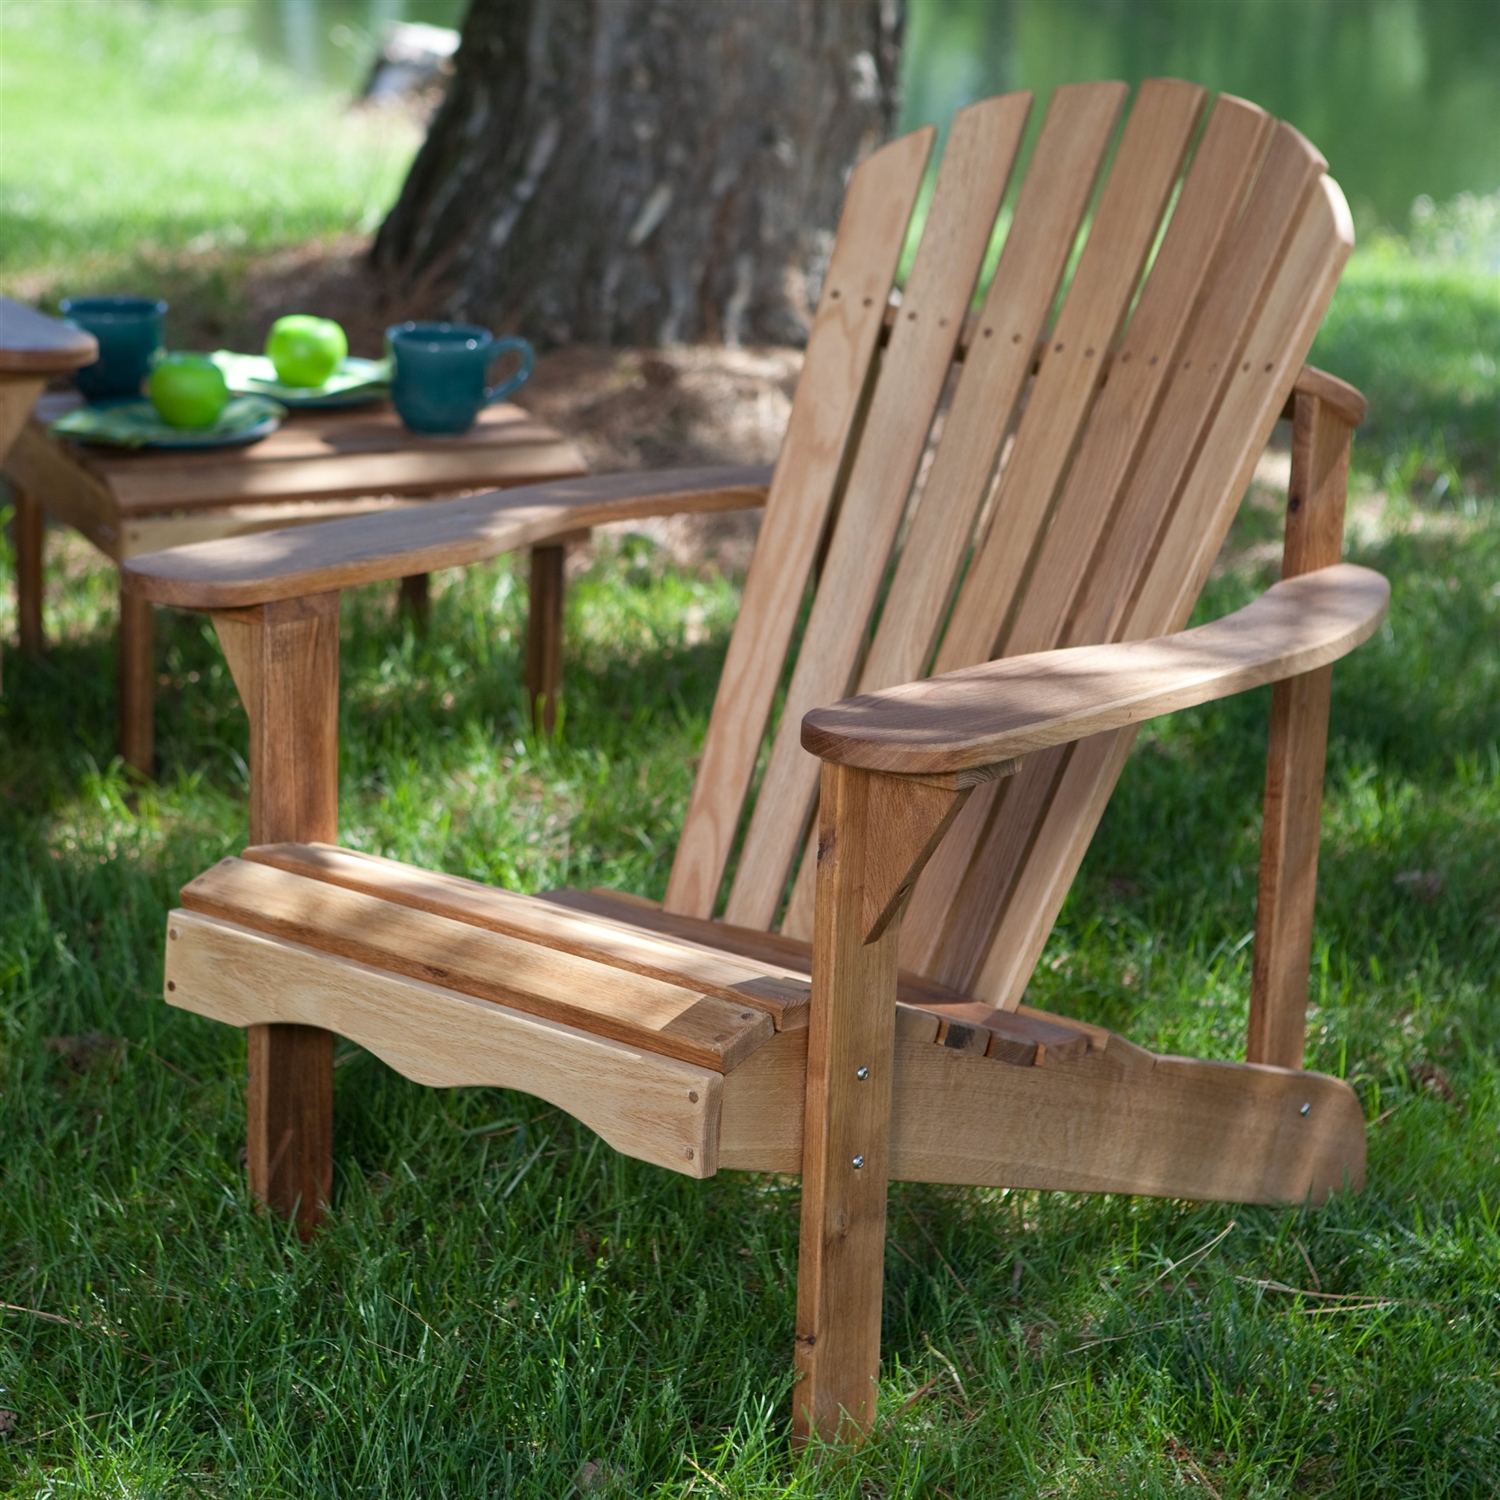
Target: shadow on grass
{"x": 500, "y": 1300}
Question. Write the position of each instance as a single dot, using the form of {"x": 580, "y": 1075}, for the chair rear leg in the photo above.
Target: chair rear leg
{"x": 1296, "y": 753}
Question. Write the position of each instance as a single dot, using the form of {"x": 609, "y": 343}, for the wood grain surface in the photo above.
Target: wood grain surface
{"x": 826, "y": 421}
{"x": 421, "y": 539}
{"x": 1115, "y": 1119}
{"x": 601, "y": 939}
{"x": 971, "y": 180}
{"x": 991, "y": 894}
{"x": 846, "y": 1091}
{"x": 1020, "y": 704}
{"x": 1292, "y": 821}
{"x": 546, "y": 981}
{"x": 1267, "y": 364}
{"x": 322, "y": 455}
{"x": 285, "y": 661}
{"x": 1054, "y": 195}
{"x": 647, "y": 1105}
{"x": 33, "y": 344}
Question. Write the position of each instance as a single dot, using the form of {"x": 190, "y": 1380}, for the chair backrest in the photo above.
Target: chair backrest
{"x": 1087, "y": 437}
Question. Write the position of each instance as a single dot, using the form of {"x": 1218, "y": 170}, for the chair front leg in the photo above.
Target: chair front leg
{"x": 875, "y": 833}
{"x": 1297, "y": 751}
{"x": 285, "y": 661}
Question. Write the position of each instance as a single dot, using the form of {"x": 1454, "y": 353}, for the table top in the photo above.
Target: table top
{"x": 34, "y": 344}
{"x": 320, "y": 454}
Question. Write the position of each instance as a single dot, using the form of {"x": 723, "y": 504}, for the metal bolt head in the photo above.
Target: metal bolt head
{"x": 1304, "y": 1110}
{"x": 862, "y": 1074}
{"x": 859, "y": 1161}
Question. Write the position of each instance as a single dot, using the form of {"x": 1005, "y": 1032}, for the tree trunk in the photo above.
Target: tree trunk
{"x": 643, "y": 171}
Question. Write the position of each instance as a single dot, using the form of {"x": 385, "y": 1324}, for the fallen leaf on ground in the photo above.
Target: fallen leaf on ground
{"x": 597, "y": 1475}
{"x": 1433, "y": 1080}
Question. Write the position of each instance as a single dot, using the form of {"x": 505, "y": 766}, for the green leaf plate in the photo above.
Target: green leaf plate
{"x": 136, "y": 424}
{"x": 355, "y": 381}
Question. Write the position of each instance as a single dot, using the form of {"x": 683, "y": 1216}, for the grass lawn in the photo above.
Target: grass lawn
{"x": 501, "y": 1305}
{"x": 143, "y": 146}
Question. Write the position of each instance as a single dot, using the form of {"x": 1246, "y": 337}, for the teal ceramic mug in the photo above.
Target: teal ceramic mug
{"x": 129, "y": 333}
{"x": 440, "y": 369}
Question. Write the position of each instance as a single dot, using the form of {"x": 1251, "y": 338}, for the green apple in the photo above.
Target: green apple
{"x": 188, "y": 390}
{"x": 306, "y": 350}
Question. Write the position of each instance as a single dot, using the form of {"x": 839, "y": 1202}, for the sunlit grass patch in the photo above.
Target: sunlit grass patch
{"x": 134, "y": 133}
{"x": 1421, "y": 338}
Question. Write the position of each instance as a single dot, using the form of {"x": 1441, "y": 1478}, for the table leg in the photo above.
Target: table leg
{"x": 415, "y": 599}
{"x": 137, "y": 685}
{"x": 30, "y": 525}
{"x": 544, "y": 632}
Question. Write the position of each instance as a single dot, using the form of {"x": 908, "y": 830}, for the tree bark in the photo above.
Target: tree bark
{"x": 643, "y": 171}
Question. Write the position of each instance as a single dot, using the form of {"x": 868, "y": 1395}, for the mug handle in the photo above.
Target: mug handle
{"x": 499, "y": 392}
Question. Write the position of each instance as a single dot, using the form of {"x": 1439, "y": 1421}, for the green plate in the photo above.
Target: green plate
{"x": 135, "y": 424}
{"x": 355, "y": 381}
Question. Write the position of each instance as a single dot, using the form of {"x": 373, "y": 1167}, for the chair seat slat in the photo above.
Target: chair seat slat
{"x": 628, "y": 1007}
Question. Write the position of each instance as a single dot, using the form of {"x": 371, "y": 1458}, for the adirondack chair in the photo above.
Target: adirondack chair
{"x": 854, "y": 1012}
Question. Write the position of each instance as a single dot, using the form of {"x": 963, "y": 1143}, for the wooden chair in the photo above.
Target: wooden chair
{"x": 854, "y": 1013}
{"x": 33, "y": 348}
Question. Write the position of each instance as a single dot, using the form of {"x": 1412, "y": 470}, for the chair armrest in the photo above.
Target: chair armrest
{"x": 1338, "y": 395}
{"x": 985, "y": 715}
{"x": 33, "y": 344}
{"x": 298, "y": 561}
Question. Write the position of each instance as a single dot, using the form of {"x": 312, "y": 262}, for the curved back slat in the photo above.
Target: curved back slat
{"x": 1213, "y": 194}
{"x": 1175, "y": 402}
{"x": 1136, "y": 194}
{"x": 1224, "y": 166}
{"x": 1141, "y": 181}
{"x": 971, "y": 182}
{"x": 1022, "y": 870}
{"x": 1121, "y": 450}
{"x": 1059, "y": 185}
{"x": 841, "y": 352}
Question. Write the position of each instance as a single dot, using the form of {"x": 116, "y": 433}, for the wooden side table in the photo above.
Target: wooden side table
{"x": 317, "y": 466}
{"x": 32, "y": 349}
